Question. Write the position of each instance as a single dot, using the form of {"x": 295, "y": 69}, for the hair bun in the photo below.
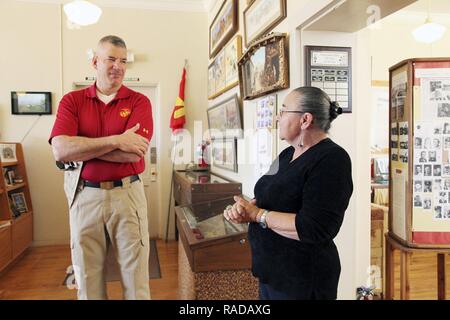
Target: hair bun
{"x": 335, "y": 110}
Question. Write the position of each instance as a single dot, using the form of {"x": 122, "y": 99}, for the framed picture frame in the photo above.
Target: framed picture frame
{"x": 8, "y": 153}
{"x": 31, "y": 103}
{"x": 223, "y": 71}
{"x": 19, "y": 202}
{"x": 264, "y": 67}
{"x": 266, "y": 112}
{"x": 224, "y": 119}
{"x": 224, "y": 154}
{"x": 223, "y": 27}
{"x": 261, "y": 16}
{"x": 11, "y": 177}
{"x": 330, "y": 69}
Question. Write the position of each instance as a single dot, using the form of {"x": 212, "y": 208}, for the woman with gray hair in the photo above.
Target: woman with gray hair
{"x": 299, "y": 205}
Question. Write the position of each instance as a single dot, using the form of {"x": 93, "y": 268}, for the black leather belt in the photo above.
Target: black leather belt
{"x": 108, "y": 185}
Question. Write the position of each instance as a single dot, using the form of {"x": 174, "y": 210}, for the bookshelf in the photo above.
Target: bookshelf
{"x": 16, "y": 211}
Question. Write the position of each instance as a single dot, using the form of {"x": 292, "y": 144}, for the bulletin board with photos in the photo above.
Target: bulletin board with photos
{"x": 329, "y": 68}
{"x": 420, "y": 152}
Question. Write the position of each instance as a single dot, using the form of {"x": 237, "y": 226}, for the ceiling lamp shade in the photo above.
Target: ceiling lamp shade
{"x": 429, "y": 32}
{"x": 82, "y": 12}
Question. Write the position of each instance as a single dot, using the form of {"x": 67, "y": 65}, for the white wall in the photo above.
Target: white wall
{"x": 42, "y": 54}
{"x": 349, "y": 130}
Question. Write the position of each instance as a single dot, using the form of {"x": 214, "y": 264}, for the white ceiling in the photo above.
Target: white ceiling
{"x": 436, "y": 6}
{"x": 170, "y": 5}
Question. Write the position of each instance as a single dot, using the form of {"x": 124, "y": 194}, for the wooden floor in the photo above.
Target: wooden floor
{"x": 39, "y": 275}
{"x": 40, "y": 272}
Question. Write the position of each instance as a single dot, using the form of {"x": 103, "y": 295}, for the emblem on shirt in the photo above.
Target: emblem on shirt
{"x": 125, "y": 112}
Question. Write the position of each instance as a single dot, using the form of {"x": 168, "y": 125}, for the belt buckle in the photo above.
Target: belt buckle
{"x": 107, "y": 185}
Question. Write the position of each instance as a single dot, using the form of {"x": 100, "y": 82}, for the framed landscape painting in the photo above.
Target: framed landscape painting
{"x": 261, "y": 16}
{"x": 223, "y": 27}
{"x": 264, "y": 68}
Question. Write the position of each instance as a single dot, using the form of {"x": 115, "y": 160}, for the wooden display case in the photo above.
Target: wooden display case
{"x": 213, "y": 250}
{"x": 419, "y": 153}
{"x": 210, "y": 241}
{"x": 16, "y": 211}
{"x": 194, "y": 187}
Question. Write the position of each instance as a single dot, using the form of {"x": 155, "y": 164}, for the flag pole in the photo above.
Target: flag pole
{"x": 175, "y": 128}
{"x": 171, "y": 185}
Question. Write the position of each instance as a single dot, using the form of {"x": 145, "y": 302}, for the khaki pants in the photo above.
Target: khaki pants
{"x": 116, "y": 217}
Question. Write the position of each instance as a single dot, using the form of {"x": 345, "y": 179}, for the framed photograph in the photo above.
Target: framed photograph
{"x": 224, "y": 154}
{"x": 8, "y": 153}
{"x": 223, "y": 71}
{"x": 264, "y": 68}
{"x": 224, "y": 119}
{"x": 330, "y": 69}
{"x": 19, "y": 202}
{"x": 261, "y": 16}
{"x": 211, "y": 81}
{"x": 219, "y": 71}
{"x": 11, "y": 177}
{"x": 223, "y": 27}
{"x": 232, "y": 52}
{"x": 266, "y": 112}
{"x": 30, "y": 102}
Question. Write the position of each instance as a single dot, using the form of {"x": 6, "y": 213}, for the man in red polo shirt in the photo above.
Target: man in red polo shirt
{"x": 104, "y": 132}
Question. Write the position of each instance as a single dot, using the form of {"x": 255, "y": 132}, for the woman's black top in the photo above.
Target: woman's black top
{"x": 316, "y": 187}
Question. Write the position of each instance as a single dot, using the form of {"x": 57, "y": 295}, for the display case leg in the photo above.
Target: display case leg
{"x": 441, "y": 276}
{"x": 405, "y": 259}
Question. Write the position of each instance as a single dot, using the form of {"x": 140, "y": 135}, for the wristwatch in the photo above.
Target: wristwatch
{"x": 262, "y": 220}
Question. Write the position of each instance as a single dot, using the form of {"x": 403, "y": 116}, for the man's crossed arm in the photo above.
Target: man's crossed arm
{"x": 126, "y": 147}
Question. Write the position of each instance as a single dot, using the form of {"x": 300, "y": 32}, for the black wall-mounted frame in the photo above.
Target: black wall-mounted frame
{"x": 31, "y": 102}
{"x": 327, "y": 69}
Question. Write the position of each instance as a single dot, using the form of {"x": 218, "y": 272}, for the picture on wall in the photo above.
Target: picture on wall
{"x": 219, "y": 70}
{"x": 8, "y": 153}
{"x": 261, "y": 16}
{"x": 329, "y": 68}
{"x": 266, "y": 110}
{"x": 224, "y": 154}
{"x": 223, "y": 27}
{"x": 264, "y": 68}
{"x": 224, "y": 119}
{"x": 223, "y": 72}
{"x": 33, "y": 103}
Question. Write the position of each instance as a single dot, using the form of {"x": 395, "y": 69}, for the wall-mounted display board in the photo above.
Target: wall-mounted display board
{"x": 330, "y": 69}
{"x": 419, "y": 135}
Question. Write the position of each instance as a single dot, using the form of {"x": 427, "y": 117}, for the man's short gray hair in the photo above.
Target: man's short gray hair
{"x": 114, "y": 40}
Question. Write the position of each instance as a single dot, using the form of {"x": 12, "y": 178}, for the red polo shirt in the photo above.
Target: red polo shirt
{"x": 81, "y": 113}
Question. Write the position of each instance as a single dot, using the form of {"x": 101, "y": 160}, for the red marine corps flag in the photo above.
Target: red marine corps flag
{"x": 178, "y": 118}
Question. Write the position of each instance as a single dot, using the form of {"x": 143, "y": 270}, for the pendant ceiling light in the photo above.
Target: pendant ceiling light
{"x": 430, "y": 31}
{"x": 82, "y": 12}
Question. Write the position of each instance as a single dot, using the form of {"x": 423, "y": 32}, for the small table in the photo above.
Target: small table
{"x": 405, "y": 262}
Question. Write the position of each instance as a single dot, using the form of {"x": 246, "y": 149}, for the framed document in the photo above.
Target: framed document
{"x": 330, "y": 69}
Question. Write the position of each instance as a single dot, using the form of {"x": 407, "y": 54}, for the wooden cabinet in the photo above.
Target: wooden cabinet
{"x": 5, "y": 246}
{"x": 378, "y": 229}
{"x": 22, "y": 234}
{"x": 16, "y": 212}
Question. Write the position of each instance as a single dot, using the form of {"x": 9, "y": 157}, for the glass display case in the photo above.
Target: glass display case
{"x": 206, "y": 220}
{"x": 211, "y": 242}
{"x": 213, "y": 251}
